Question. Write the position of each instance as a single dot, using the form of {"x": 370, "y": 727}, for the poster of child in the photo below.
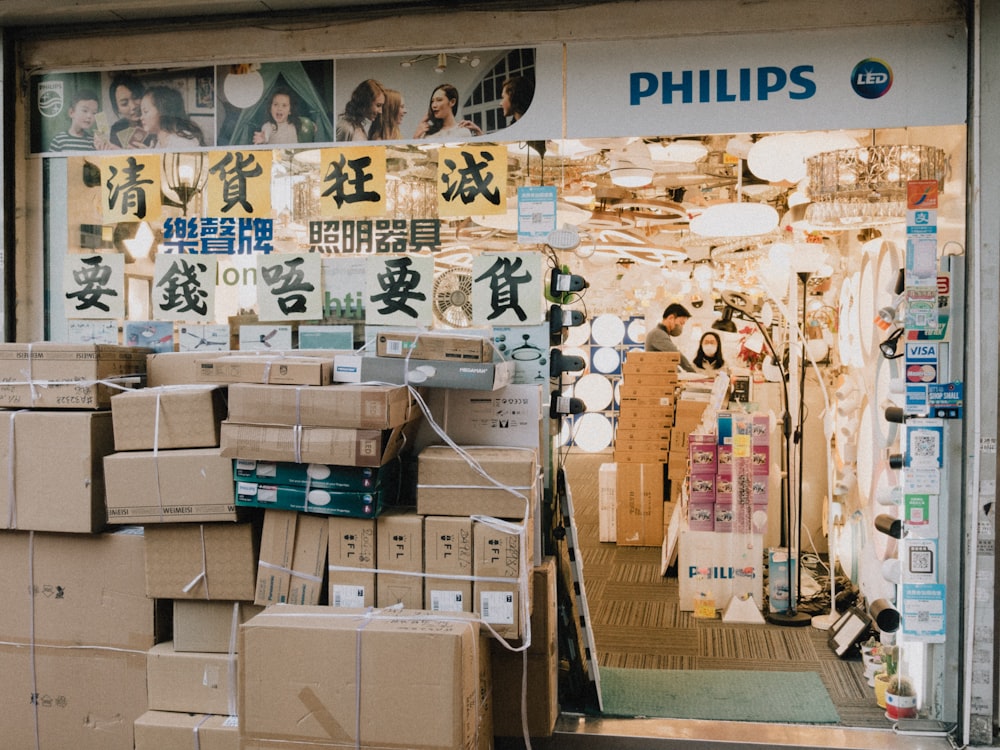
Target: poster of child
{"x": 82, "y": 112}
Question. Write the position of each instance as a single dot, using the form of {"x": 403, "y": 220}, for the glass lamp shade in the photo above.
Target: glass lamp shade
{"x": 735, "y": 220}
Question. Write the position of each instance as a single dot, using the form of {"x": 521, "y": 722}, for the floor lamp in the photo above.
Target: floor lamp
{"x": 790, "y": 617}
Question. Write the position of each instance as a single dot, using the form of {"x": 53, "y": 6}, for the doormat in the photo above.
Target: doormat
{"x": 724, "y": 695}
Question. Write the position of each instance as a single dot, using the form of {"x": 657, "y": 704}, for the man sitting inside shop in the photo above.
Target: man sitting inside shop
{"x": 660, "y": 339}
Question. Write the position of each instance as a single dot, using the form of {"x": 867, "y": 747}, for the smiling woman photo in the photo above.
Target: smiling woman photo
{"x": 440, "y": 120}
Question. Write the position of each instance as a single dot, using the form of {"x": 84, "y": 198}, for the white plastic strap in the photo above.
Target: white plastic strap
{"x": 203, "y": 575}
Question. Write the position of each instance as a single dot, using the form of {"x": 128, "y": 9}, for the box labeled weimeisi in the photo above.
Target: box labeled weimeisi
{"x": 326, "y": 502}
{"x": 448, "y": 552}
{"x": 290, "y": 696}
{"x": 58, "y": 470}
{"x": 173, "y": 730}
{"x": 279, "y": 369}
{"x": 433, "y": 346}
{"x": 51, "y": 375}
{"x": 351, "y": 576}
{"x": 169, "y": 486}
{"x": 202, "y": 560}
{"x": 318, "y": 476}
{"x": 448, "y": 485}
{"x": 364, "y": 406}
{"x": 191, "y": 681}
{"x": 312, "y": 445}
{"x": 477, "y": 376}
{"x": 183, "y": 416}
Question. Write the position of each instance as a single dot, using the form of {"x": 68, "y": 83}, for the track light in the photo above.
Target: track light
{"x": 559, "y": 319}
{"x": 562, "y": 282}
{"x": 560, "y": 363}
{"x": 560, "y": 406}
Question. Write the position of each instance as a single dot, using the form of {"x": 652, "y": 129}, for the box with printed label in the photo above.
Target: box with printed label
{"x": 184, "y": 484}
{"x": 759, "y": 489}
{"x": 57, "y": 482}
{"x": 607, "y": 488}
{"x": 761, "y": 455}
{"x": 351, "y": 562}
{"x": 81, "y": 698}
{"x": 477, "y": 376}
{"x": 637, "y": 361}
{"x": 290, "y": 696}
{"x": 725, "y": 461}
{"x": 276, "y": 369}
{"x": 725, "y": 516}
{"x": 173, "y": 730}
{"x": 701, "y": 516}
{"x": 448, "y": 485}
{"x": 639, "y": 499}
{"x": 53, "y": 375}
{"x": 703, "y": 488}
{"x": 173, "y": 368}
{"x": 677, "y": 465}
{"x": 202, "y": 560}
{"x": 318, "y": 445}
{"x": 400, "y": 547}
{"x": 448, "y": 552}
{"x": 721, "y": 570}
{"x": 702, "y": 454}
{"x": 196, "y": 682}
{"x": 185, "y": 416}
{"x": 84, "y": 589}
{"x": 293, "y": 550}
{"x": 326, "y": 502}
{"x": 211, "y": 626}
{"x": 433, "y": 346}
{"x": 367, "y": 406}
{"x": 319, "y": 476}
{"x": 497, "y": 553}
{"x": 640, "y": 453}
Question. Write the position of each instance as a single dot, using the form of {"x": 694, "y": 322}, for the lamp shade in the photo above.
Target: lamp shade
{"x": 735, "y": 220}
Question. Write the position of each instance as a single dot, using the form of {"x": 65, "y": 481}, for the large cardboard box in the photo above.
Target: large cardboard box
{"x": 174, "y": 368}
{"x": 58, "y": 477}
{"x": 193, "y": 681}
{"x": 400, "y": 547}
{"x": 172, "y": 730}
{"x": 202, "y": 560}
{"x": 169, "y": 417}
{"x": 319, "y": 445}
{"x": 85, "y": 590}
{"x": 637, "y": 360}
{"x": 299, "y": 675}
{"x": 454, "y": 347}
{"x": 720, "y": 565}
{"x": 639, "y": 497}
{"x": 351, "y": 577}
{"x": 317, "y": 476}
{"x": 448, "y": 551}
{"x": 607, "y": 504}
{"x": 80, "y": 698}
{"x": 449, "y": 485}
{"x": 169, "y": 486}
{"x": 292, "y": 562}
{"x": 366, "y": 406}
{"x": 209, "y": 626}
{"x": 477, "y": 376}
{"x": 542, "y": 666}
{"x": 52, "y": 375}
{"x": 500, "y": 553}
{"x": 277, "y": 369}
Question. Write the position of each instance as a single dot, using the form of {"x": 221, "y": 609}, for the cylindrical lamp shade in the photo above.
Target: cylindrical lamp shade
{"x": 884, "y": 615}
{"x": 889, "y": 525}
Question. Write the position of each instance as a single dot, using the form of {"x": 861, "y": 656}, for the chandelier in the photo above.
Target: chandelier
{"x": 866, "y": 186}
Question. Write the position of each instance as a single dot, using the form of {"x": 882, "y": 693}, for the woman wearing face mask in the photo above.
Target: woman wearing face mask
{"x": 709, "y": 356}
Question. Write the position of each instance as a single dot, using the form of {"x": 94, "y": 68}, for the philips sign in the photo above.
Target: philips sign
{"x": 722, "y": 85}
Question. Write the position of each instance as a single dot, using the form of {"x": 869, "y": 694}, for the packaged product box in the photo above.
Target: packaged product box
{"x": 293, "y": 550}
{"x": 173, "y": 730}
{"x": 448, "y": 551}
{"x": 85, "y": 589}
{"x": 607, "y": 494}
{"x": 174, "y": 368}
{"x": 702, "y": 454}
{"x": 209, "y": 626}
{"x": 645, "y": 452}
{"x": 761, "y": 429}
{"x": 81, "y": 698}
{"x": 761, "y": 455}
{"x": 52, "y": 375}
{"x": 724, "y": 467}
{"x": 688, "y": 410}
{"x": 542, "y": 666}
{"x": 725, "y": 515}
{"x": 639, "y": 499}
{"x": 500, "y": 553}
{"x": 287, "y": 647}
{"x": 319, "y": 445}
{"x": 720, "y": 570}
{"x": 400, "y": 547}
{"x": 191, "y": 681}
{"x": 638, "y": 361}
{"x": 703, "y": 489}
{"x": 202, "y": 560}
{"x": 635, "y": 399}
{"x": 723, "y": 489}
{"x": 631, "y": 416}
{"x": 434, "y": 346}
{"x": 364, "y": 406}
{"x": 318, "y": 476}
{"x": 351, "y": 576}
{"x": 701, "y": 516}
{"x": 654, "y": 433}
{"x": 477, "y": 376}
{"x": 759, "y": 489}
{"x": 677, "y": 464}
{"x": 368, "y": 504}
{"x": 169, "y": 417}
{"x": 70, "y": 499}
{"x": 169, "y": 486}
{"x": 445, "y": 480}
{"x": 679, "y": 440}
{"x": 646, "y": 379}
{"x": 276, "y": 369}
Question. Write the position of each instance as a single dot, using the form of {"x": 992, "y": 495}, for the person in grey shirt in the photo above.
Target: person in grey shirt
{"x": 660, "y": 339}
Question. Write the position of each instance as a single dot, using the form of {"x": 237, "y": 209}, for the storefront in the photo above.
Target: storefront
{"x": 803, "y": 192}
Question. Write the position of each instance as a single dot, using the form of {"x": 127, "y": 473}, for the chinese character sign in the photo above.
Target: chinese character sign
{"x": 130, "y": 188}
{"x": 289, "y": 287}
{"x": 212, "y": 235}
{"x": 352, "y": 182}
{"x": 472, "y": 180}
{"x": 399, "y": 290}
{"x": 507, "y": 289}
{"x": 239, "y": 183}
{"x": 184, "y": 287}
{"x": 94, "y": 285}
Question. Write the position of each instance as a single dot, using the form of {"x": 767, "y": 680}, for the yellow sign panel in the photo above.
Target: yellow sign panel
{"x": 472, "y": 180}
{"x": 239, "y": 183}
{"x": 352, "y": 182}
{"x": 130, "y": 188}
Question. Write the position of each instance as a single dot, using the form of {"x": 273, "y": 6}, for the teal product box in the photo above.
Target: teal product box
{"x": 325, "y": 502}
{"x": 317, "y": 476}
{"x": 778, "y": 578}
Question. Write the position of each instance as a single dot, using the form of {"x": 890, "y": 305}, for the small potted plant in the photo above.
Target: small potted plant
{"x": 900, "y": 697}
